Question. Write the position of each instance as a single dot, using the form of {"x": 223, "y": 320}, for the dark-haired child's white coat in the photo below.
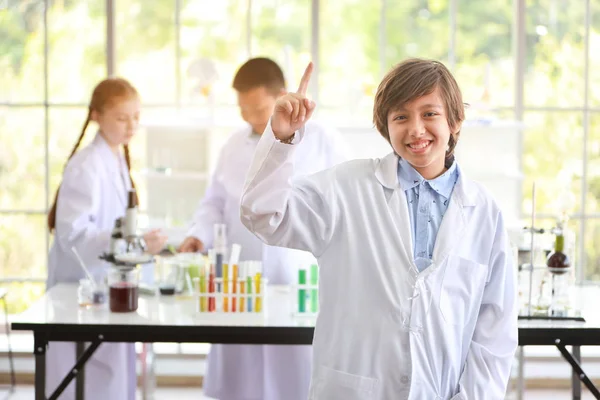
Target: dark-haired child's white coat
{"x": 386, "y": 331}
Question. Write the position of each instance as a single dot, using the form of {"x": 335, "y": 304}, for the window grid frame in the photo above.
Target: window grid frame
{"x": 519, "y": 108}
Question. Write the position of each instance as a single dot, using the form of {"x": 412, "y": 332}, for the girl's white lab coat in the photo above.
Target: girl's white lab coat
{"x": 93, "y": 194}
{"x": 244, "y": 372}
{"x": 386, "y": 331}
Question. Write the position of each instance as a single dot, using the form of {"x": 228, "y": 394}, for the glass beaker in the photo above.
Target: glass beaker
{"x": 560, "y": 304}
{"x": 169, "y": 276}
{"x": 190, "y": 265}
{"x": 89, "y": 294}
{"x": 123, "y": 290}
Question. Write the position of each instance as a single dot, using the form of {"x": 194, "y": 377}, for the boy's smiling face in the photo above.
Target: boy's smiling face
{"x": 419, "y": 133}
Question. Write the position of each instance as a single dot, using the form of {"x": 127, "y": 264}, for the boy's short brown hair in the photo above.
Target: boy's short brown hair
{"x": 412, "y": 79}
{"x": 259, "y": 72}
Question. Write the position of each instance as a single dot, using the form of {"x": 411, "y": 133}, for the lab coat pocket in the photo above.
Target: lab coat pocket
{"x": 339, "y": 385}
{"x": 462, "y": 288}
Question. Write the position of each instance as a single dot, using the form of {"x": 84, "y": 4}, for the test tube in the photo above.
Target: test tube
{"x": 249, "y": 286}
{"x": 234, "y": 280}
{"x": 314, "y": 296}
{"x": 197, "y": 288}
{"x": 302, "y": 290}
{"x": 220, "y": 246}
{"x": 233, "y": 260}
{"x": 257, "y": 283}
{"x": 242, "y": 284}
{"x": 202, "y": 288}
{"x": 225, "y": 287}
{"x": 211, "y": 283}
{"x": 203, "y": 299}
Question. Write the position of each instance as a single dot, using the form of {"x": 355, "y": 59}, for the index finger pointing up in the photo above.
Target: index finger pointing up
{"x": 305, "y": 79}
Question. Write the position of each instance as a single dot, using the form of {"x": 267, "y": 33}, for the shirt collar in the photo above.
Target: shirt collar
{"x": 408, "y": 177}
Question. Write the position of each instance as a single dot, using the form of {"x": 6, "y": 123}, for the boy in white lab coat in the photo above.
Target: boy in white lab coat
{"x": 243, "y": 372}
{"x": 417, "y": 284}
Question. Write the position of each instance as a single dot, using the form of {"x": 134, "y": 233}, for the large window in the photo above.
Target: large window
{"x": 559, "y": 139}
{"x": 182, "y": 56}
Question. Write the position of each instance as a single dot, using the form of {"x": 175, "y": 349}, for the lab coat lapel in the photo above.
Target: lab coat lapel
{"x": 456, "y": 218}
{"x": 113, "y": 169}
{"x": 387, "y": 174}
{"x": 451, "y": 230}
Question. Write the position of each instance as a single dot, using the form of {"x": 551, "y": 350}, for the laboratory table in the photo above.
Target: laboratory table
{"x": 57, "y": 317}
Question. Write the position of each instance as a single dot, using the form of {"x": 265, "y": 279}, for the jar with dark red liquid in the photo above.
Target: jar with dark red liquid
{"x": 123, "y": 289}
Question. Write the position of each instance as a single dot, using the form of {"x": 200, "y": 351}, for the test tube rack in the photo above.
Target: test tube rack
{"x": 232, "y": 294}
{"x": 240, "y": 302}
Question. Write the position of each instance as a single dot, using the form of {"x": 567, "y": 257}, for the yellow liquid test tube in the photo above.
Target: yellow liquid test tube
{"x": 226, "y": 288}
{"x": 257, "y": 279}
{"x": 202, "y": 293}
{"x": 234, "y": 287}
{"x": 242, "y": 291}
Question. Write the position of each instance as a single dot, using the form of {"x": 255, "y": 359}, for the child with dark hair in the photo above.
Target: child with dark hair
{"x": 252, "y": 372}
{"x": 416, "y": 280}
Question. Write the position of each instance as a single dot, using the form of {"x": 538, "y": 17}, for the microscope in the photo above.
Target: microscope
{"x": 125, "y": 241}
{"x": 134, "y": 242}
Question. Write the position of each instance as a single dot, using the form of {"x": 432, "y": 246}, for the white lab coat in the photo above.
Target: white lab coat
{"x": 253, "y": 372}
{"x": 386, "y": 331}
{"x": 93, "y": 194}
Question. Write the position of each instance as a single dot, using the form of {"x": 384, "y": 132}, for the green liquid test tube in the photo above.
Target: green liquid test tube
{"x": 302, "y": 291}
{"x": 314, "y": 296}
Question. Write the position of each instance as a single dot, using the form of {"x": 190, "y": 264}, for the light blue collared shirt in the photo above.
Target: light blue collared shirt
{"x": 427, "y": 202}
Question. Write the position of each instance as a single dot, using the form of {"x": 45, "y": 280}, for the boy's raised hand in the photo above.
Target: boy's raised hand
{"x": 293, "y": 109}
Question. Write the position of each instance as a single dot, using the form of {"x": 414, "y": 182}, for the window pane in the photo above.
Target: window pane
{"x": 555, "y": 53}
{"x": 593, "y": 172}
{"x": 77, "y": 40}
{"x": 349, "y": 57}
{"x": 415, "y": 29}
{"x": 22, "y": 155}
{"x": 592, "y": 249}
{"x": 484, "y": 62}
{"x": 281, "y": 30}
{"x": 22, "y": 52}
{"x": 66, "y": 124}
{"x": 145, "y": 39}
{"x": 553, "y": 151}
{"x": 22, "y": 294}
{"x": 23, "y": 245}
{"x": 213, "y": 45}
{"x": 594, "y": 54}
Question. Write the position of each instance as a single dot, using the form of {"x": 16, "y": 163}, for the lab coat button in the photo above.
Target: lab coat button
{"x": 405, "y": 379}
